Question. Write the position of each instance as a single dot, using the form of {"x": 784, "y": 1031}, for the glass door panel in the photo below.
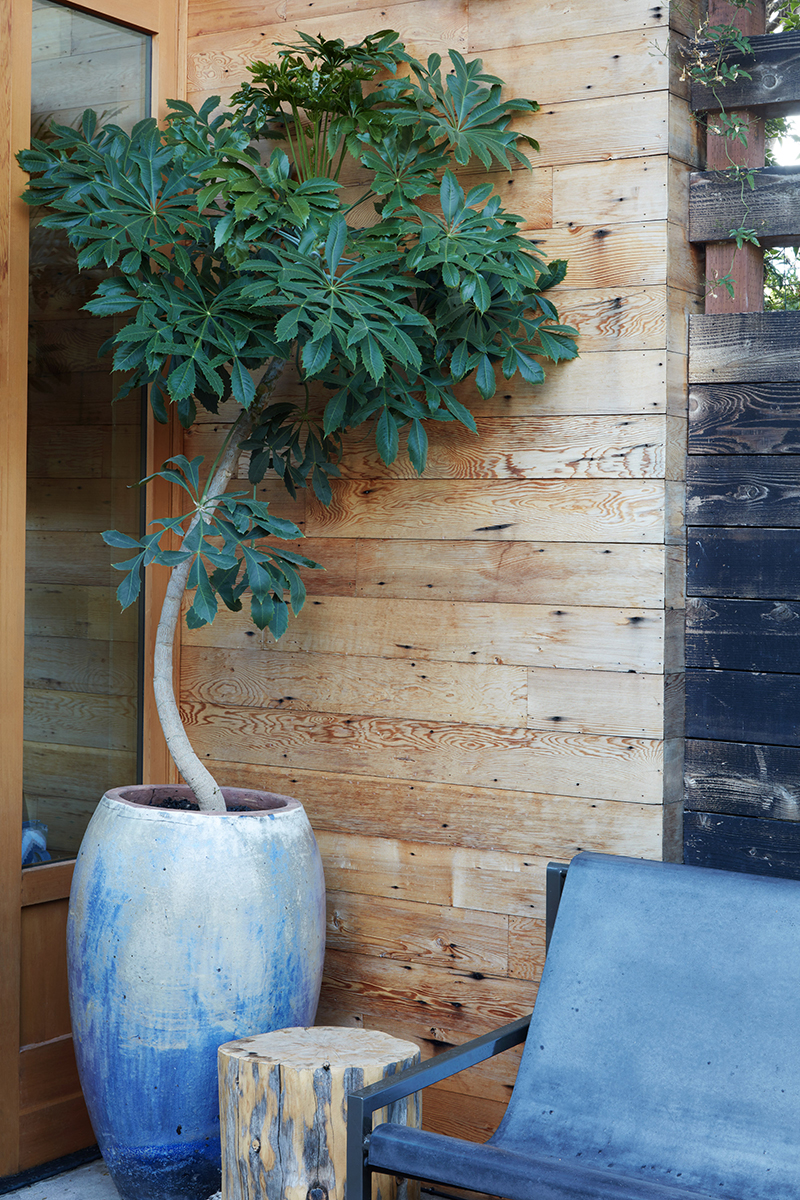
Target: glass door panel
{"x": 82, "y": 674}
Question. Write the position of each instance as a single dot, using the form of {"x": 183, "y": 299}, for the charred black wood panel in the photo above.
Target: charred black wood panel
{"x": 746, "y": 489}
{"x": 742, "y": 706}
{"x": 718, "y": 204}
{"x": 774, "y": 83}
{"x": 761, "y": 564}
{"x": 743, "y": 635}
{"x": 747, "y": 780}
{"x": 746, "y": 844}
{"x": 754, "y": 347}
{"x": 754, "y": 418}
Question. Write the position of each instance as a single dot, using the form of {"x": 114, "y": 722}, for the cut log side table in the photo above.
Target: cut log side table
{"x": 283, "y": 1109}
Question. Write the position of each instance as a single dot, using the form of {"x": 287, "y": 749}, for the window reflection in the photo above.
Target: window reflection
{"x": 81, "y": 653}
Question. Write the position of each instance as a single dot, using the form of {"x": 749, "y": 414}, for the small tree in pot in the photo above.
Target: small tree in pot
{"x": 233, "y": 264}
{"x": 236, "y": 254}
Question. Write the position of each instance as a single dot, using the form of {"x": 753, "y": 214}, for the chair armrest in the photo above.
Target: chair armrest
{"x": 441, "y": 1066}
{"x": 364, "y": 1102}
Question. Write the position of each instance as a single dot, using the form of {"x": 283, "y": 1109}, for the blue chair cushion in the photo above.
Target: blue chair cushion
{"x": 490, "y": 1169}
{"x": 664, "y": 1047}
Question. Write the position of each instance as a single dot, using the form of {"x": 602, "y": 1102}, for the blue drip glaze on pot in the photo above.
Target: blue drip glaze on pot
{"x": 186, "y": 931}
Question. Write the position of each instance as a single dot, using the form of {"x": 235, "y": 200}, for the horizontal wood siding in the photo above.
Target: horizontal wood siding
{"x": 742, "y": 611}
{"x": 742, "y": 663}
{"x": 717, "y": 205}
{"x": 486, "y": 676}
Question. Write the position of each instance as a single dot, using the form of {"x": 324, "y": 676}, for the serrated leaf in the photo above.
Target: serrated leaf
{"x": 316, "y": 355}
{"x": 181, "y": 381}
{"x": 321, "y": 485}
{"x": 279, "y": 622}
{"x": 461, "y": 413}
{"x": 451, "y": 195}
{"x": 386, "y": 437}
{"x": 450, "y": 275}
{"x": 418, "y": 446}
{"x": 204, "y": 605}
{"x": 484, "y": 378}
{"x": 128, "y": 590}
{"x": 334, "y": 411}
{"x": 242, "y": 386}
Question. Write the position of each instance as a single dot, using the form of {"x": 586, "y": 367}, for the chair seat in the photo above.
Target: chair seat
{"x": 491, "y": 1169}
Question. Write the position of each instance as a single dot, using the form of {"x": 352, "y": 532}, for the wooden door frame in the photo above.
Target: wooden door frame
{"x": 165, "y": 20}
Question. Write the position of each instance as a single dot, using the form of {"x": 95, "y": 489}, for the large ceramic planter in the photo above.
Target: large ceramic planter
{"x": 186, "y": 930}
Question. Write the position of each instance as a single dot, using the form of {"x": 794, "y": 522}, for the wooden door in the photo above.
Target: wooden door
{"x": 70, "y": 622}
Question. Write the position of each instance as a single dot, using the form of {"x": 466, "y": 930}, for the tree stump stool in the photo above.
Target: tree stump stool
{"x": 283, "y": 1109}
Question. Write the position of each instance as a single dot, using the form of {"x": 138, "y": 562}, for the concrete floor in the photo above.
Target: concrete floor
{"x": 91, "y": 1182}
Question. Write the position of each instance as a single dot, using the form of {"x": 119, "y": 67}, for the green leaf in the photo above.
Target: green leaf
{"x": 450, "y": 275}
{"x": 484, "y": 378}
{"x": 204, "y": 606}
{"x": 418, "y": 446}
{"x": 334, "y": 411}
{"x": 386, "y": 437}
{"x": 258, "y": 577}
{"x": 113, "y": 537}
{"x": 451, "y": 196}
{"x": 335, "y": 243}
{"x": 316, "y": 354}
{"x": 181, "y": 381}
{"x": 279, "y": 622}
{"x": 262, "y": 610}
{"x": 322, "y": 486}
{"x": 461, "y": 413}
{"x": 128, "y": 590}
{"x": 244, "y": 390}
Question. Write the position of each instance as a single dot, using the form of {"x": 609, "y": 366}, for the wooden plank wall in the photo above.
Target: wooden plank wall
{"x": 742, "y": 645}
{"x": 486, "y": 676}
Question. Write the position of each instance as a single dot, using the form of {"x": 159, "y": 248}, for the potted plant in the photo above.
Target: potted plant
{"x": 236, "y": 253}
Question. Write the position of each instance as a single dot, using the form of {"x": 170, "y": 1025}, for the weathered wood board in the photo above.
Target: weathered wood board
{"x": 742, "y": 489}
{"x": 494, "y": 509}
{"x": 610, "y": 768}
{"x": 755, "y": 563}
{"x": 743, "y": 635}
{"x": 613, "y": 574}
{"x": 445, "y": 814}
{"x": 743, "y": 706}
{"x": 754, "y": 347}
{"x": 441, "y": 631}
{"x": 743, "y": 779}
{"x": 717, "y": 205}
{"x": 596, "y": 702}
{"x": 773, "y": 86}
{"x": 747, "y": 418}
{"x": 734, "y": 843}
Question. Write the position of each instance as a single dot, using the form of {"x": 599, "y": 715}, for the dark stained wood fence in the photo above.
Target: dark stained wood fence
{"x": 742, "y": 808}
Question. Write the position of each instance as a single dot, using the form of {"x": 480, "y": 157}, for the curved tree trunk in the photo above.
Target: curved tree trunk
{"x": 207, "y": 791}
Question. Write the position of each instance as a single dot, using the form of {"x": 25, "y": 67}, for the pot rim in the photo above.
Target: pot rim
{"x": 260, "y": 803}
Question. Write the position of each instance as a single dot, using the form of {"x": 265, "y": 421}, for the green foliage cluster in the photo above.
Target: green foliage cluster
{"x": 235, "y": 252}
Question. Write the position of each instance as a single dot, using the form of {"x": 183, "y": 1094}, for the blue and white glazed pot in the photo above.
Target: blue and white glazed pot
{"x": 186, "y": 930}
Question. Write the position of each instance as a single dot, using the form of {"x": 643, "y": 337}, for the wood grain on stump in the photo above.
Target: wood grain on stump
{"x": 283, "y": 1109}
